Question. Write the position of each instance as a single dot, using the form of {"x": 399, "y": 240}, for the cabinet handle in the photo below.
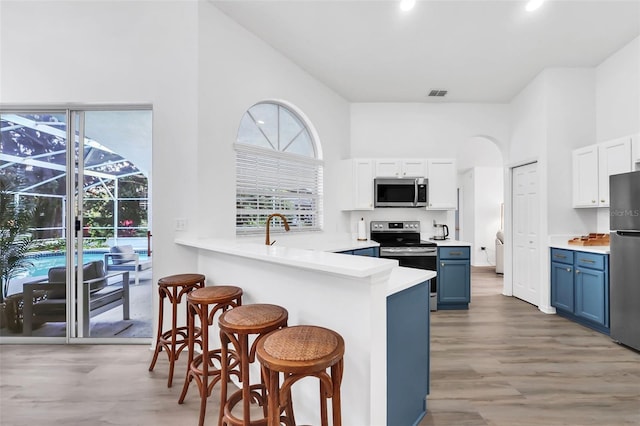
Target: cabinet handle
{"x": 455, "y": 253}
{"x": 560, "y": 256}
{"x": 602, "y": 201}
{"x": 587, "y": 261}
{"x": 568, "y": 269}
{"x": 577, "y": 271}
{"x": 441, "y": 263}
{"x": 593, "y": 201}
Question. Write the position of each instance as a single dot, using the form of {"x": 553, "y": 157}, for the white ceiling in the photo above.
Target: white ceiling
{"x": 480, "y": 51}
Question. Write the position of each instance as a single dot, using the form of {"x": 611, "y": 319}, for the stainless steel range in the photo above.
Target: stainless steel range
{"x": 401, "y": 241}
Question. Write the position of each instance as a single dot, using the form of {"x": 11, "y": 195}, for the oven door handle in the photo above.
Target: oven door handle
{"x": 415, "y": 192}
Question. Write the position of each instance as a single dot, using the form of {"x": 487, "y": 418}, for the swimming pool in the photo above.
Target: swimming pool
{"x": 42, "y": 262}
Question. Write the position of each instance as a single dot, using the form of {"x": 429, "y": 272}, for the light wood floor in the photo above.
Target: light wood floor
{"x": 503, "y": 362}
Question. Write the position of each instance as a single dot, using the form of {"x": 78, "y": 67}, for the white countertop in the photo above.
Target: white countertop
{"x": 588, "y": 249}
{"x": 321, "y": 241}
{"x": 451, "y": 243}
{"x": 561, "y": 242}
{"x": 316, "y": 259}
{"x": 403, "y": 278}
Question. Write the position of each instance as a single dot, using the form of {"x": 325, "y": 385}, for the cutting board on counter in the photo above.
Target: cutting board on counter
{"x": 591, "y": 240}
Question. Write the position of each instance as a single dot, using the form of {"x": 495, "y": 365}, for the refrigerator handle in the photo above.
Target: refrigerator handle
{"x": 628, "y": 233}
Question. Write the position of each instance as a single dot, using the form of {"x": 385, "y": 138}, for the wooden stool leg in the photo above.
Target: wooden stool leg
{"x": 174, "y": 334}
{"x": 204, "y": 391}
{"x": 244, "y": 369}
{"x": 273, "y": 398}
{"x": 159, "y": 333}
{"x": 323, "y": 405}
{"x": 191, "y": 334}
{"x": 224, "y": 373}
{"x": 336, "y": 403}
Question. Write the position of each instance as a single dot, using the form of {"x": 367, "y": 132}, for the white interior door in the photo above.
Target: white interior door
{"x": 526, "y": 273}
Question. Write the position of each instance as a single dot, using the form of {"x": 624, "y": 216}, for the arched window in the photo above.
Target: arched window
{"x": 278, "y": 170}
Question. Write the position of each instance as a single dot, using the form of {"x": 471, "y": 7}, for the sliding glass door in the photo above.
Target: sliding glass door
{"x": 78, "y": 264}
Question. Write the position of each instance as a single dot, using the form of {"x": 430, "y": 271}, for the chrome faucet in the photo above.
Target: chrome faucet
{"x": 286, "y": 227}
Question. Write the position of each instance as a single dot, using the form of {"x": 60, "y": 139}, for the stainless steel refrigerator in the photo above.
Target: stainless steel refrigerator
{"x": 624, "y": 259}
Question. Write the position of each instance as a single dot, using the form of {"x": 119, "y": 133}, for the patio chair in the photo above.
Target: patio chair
{"x": 123, "y": 258}
{"x": 98, "y": 294}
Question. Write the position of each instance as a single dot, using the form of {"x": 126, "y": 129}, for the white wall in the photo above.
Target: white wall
{"x": 423, "y": 130}
{"x": 237, "y": 70}
{"x": 482, "y": 189}
{"x": 488, "y": 196}
{"x": 617, "y": 102}
{"x": 618, "y": 93}
{"x": 57, "y": 52}
{"x": 570, "y": 124}
{"x": 384, "y": 130}
{"x": 552, "y": 115}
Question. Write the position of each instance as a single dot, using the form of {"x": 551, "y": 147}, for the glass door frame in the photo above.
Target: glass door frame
{"x": 72, "y": 217}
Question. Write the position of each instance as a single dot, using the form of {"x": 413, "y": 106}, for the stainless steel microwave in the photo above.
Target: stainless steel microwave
{"x": 402, "y": 192}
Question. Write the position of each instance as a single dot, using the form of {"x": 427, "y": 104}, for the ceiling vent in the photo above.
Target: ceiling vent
{"x": 437, "y": 92}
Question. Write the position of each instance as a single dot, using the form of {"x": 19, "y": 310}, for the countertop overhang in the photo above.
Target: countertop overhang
{"x": 320, "y": 260}
{"x": 325, "y": 261}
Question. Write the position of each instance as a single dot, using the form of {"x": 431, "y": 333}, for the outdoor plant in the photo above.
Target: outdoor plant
{"x": 15, "y": 239}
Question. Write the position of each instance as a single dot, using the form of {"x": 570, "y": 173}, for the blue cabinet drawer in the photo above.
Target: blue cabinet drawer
{"x": 453, "y": 253}
{"x": 590, "y": 260}
{"x": 562, "y": 256}
{"x": 369, "y": 251}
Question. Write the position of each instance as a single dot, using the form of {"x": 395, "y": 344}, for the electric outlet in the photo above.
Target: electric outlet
{"x": 181, "y": 224}
{"x": 483, "y": 248}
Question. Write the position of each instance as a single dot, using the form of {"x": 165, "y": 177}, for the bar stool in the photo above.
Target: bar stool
{"x": 235, "y": 327}
{"x": 205, "y": 303}
{"x": 298, "y": 352}
{"x": 174, "y": 340}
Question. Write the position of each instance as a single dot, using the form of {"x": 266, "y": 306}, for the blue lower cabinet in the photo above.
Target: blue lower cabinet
{"x": 408, "y": 355}
{"x": 369, "y": 251}
{"x": 591, "y": 296}
{"x": 562, "y": 294}
{"x": 454, "y": 278}
{"x": 580, "y": 287}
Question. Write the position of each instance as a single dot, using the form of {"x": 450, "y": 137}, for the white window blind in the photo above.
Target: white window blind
{"x": 269, "y": 181}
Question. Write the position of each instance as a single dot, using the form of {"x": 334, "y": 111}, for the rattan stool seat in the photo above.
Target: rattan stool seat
{"x": 181, "y": 280}
{"x": 174, "y": 340}
{"x": 214, "y": 294}
{"x": 235, "y": 327}
{"x": 205, "y": 303}
{"x": 298, "y": 352}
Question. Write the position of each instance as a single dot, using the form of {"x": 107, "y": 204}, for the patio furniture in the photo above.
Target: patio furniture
{"x": 98, "y": 294}
{"x": 124, "y": 258}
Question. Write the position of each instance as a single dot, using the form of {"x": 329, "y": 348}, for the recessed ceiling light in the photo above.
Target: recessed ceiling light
{"x": 407, "y": 5}
{"x": 533, "y": 5}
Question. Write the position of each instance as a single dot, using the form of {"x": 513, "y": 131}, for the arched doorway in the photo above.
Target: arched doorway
{"x": 480, "y": 199}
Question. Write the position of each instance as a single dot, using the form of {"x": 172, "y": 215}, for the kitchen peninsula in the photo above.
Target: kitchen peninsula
{"x": 349, "y": 294}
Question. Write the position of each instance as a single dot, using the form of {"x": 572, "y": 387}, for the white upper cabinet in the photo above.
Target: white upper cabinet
{"x": 442, "y": 175}
{"x": 592, "y": 166}
{"x": 357, "y": 191}
{"x": 585, "y": 177}
{"x": 400, "y": 168}
{"x": 414, "y": 168}
{"x": 613, "y": 157}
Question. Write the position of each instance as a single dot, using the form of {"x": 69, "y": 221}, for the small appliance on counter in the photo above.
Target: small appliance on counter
{"x": 442, "y": 231}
